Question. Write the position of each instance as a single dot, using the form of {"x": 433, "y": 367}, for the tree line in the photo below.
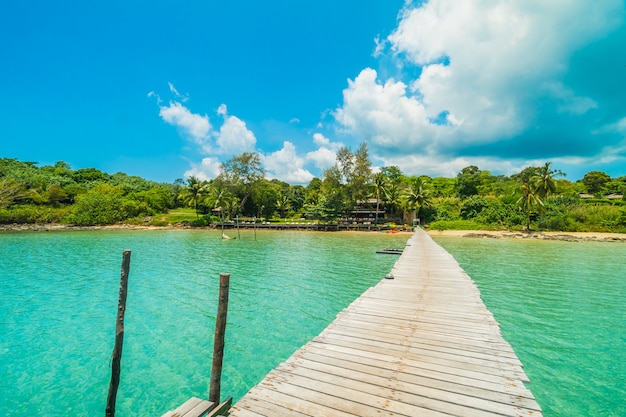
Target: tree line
{"x": 538, "y": 198}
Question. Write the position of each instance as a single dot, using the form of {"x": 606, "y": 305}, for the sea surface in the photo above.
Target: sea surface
{"x": 561, "y": 306}
{"x": 58, "y": 306}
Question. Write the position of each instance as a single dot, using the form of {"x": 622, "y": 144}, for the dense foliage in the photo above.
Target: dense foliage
{"x": 537, "y": 198}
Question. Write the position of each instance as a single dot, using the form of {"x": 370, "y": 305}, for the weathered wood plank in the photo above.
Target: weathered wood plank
{"x": 422, "y": 344}
{"x": 193, "y": 407}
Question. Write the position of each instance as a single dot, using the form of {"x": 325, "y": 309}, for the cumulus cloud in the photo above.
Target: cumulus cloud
{"x": 325, "y": 155}
{"x": 207, "y": 169}
{"x": 484, "y": 79}
{"x": 234, "y": 137}
{"x": 193, "y": 126}
{"x": 286, "y": 165}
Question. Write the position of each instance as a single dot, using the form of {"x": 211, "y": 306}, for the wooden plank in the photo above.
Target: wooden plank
{"x": 221, "y": 409}
{"x": 193, "y": 407}
{"x": 450, "y": 361}
{"x": 435, "y": 394}
{"x": 418, "y": 376}
{"x": 422, "y": 344}
{"x": 187, "y": 406}
{"x": 344, "y": 400}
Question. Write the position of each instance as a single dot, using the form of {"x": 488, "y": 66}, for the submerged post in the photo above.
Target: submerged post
{"x": 119, "y": 336}
{"x": 218, "y": 343}
{"x": 255, "y": 228}
{"x": 238, "y": 235}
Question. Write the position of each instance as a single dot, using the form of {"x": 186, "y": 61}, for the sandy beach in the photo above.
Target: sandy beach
{"x": 565, "y": 236}
{"x": 477, "y": 234}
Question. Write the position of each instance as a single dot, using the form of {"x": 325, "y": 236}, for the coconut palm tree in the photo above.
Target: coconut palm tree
{"x": 417, "y": 195}
{"x": 393, "y": 196}
{"x": 529, "y": 203}
{"x": 283, "y": 204}
{"x": 543, "y": 182}
{"x": 193, "y": 191}
{"x": 379, "y": 182}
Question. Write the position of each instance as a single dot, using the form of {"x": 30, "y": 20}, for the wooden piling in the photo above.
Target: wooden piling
{"x": 238, "y": 235}
{"x": 218, "y": 343}
{"x": 119, "y": 336}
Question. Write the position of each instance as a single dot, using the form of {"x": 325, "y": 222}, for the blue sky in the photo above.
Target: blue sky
{"x": 165, "y": 89}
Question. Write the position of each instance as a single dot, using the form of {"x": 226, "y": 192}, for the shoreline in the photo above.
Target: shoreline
{"x": 476, "y": 234}
{"x": 562, "y": 236}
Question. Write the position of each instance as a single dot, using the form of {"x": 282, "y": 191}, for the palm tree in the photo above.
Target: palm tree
{"x": 283, "y": 204}
{"x": 417, "y": 195}
{"x": 379, "y": 184}
{"x": 393, "y": 196}
{"x": 193, "y": 191}
{"x": 543, "y": 182}
{"x": 529, "y": 203}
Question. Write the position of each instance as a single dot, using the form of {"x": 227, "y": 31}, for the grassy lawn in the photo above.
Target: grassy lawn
{"x": 178, "y": 215}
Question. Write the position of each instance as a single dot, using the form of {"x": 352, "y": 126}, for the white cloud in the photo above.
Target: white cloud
{"x": 208, "y": 169}
{"x": 234, "y": 137}
{"x": 181, "y": 97}
{"x": 286, "y": 165}
{"x": 484, "y": 69}
{"x": 325, "y": 155}
{"x": 194, "y": 126}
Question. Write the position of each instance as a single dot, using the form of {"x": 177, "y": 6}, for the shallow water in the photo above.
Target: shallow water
{"x": 58, "y": 301}
{"x": 561, "y": 305}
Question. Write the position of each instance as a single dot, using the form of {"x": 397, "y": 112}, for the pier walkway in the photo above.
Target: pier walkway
{"x": 421, "y": 344}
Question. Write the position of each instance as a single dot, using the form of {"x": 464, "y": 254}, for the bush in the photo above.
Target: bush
{"x": 101, "y": 205}
{"x": 33, "y": 214}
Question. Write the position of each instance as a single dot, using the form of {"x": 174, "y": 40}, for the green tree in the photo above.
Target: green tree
{"x": 241, "y": 173}
{"x": 283, "y": 204}
{"x": 393, "y": 197}
{"x": 332, "y": 199}
{"x": 55, "y": 195}
{"x": 417, "y": 196}
{"x": 192, "y": 192}
{"x": 379, "y": 183}
{"x": 10, "y": 191}
{"x": 529, "y": 203}
{"x": 595, "y": 181}
{"x": 543, "y": 182}
{"x": 467, "y": 181}
{"x": 103, "y": 204}
{"x": 392, "y": 173}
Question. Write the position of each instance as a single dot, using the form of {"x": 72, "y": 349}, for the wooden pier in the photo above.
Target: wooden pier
{"x": 419, "y": 344}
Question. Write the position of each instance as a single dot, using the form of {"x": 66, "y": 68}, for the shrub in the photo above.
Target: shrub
{"x": 33, "y": 214}
{"x": 101, "y": 205}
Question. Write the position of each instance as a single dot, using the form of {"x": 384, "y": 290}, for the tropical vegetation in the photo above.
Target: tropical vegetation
{"x": 537, "y": 198}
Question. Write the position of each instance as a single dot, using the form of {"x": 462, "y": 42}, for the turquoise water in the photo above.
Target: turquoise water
{"x": 58, "y": 301}
{"x": 562, "y": 306}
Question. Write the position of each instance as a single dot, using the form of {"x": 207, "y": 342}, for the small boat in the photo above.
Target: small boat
{"x": 390, "y": 251}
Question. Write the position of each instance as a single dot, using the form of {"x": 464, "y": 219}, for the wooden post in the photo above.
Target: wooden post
{"x": 255, "y": 228}
{"x": 238, "y": 235}
{"x": 119, "y": 336}
{"x": 218, "y": 342}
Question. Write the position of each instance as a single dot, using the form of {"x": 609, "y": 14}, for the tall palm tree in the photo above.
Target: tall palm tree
{"x": 379, "y": 182}
{"x": 283, "y": 204}
{"x": 417, "y": 196}
{"x": 543, "y": 182}
{"x": 393, "y": 196}
{"x": 193, "y": 191}
{"x": 529, "y": 203}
